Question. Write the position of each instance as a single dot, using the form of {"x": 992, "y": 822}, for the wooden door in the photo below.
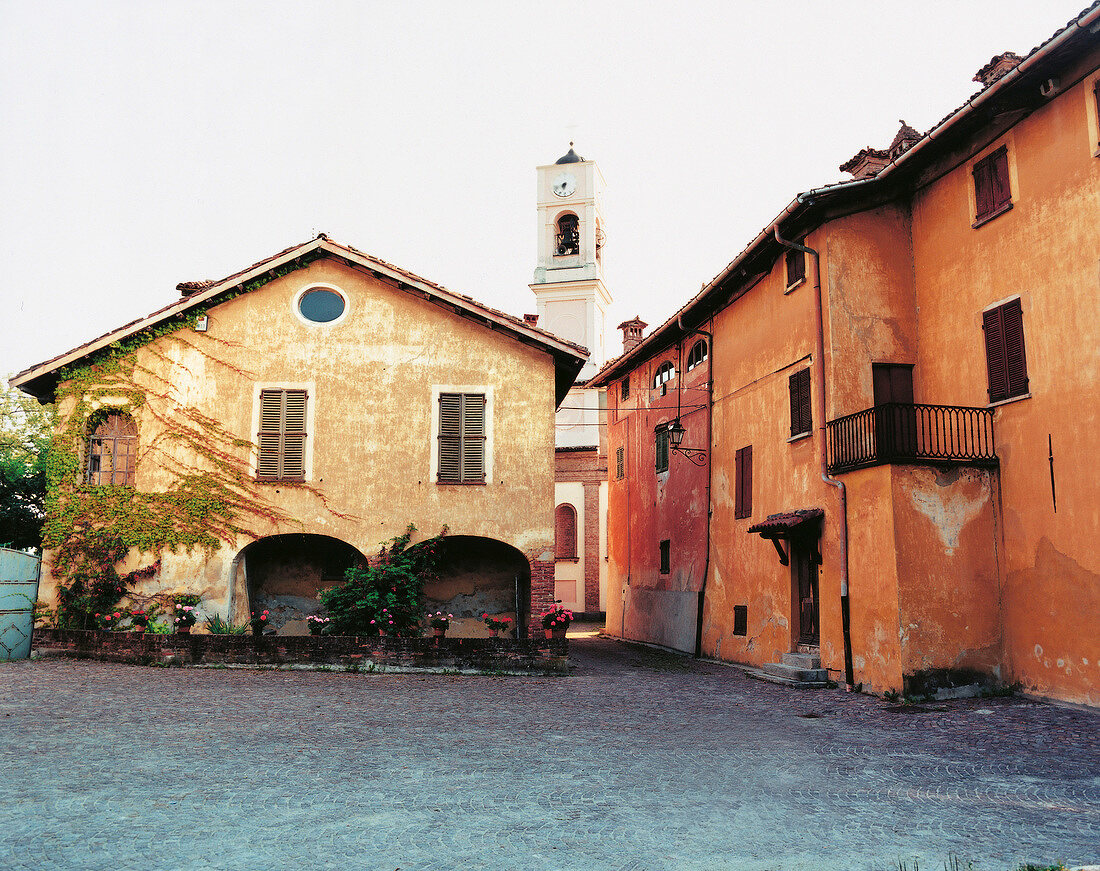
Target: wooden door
{"x": 895, "y": 418}
{"x": 804, "y": 571}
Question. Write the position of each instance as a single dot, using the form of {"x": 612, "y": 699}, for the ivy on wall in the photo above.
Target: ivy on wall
{"x": 211, "y": 497}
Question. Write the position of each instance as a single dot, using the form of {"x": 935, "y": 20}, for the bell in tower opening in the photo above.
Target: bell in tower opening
{"x": 568, "y": 236}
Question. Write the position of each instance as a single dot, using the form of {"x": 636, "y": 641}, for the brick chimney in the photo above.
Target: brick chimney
{"x": 997, "y": 67}
{"x": 632, "y": 333}
{"x": 869, "y": 162}
{"x": 531, "y": 320}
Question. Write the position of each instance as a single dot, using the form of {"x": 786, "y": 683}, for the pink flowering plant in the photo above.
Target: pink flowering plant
{"x": 439, "y": 620}
{"x": 317, "y": 624}
{"x": 260, "y": 621}
{"x": 185, "y": 615}
{"x": 110, "y": 621}
{"x": 494, "y": 623}
{"x": 558, "y": 618}
{"x": 385, "y": 622}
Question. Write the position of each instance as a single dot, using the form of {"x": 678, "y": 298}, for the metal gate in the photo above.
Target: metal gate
{"x": 19, "y": 574}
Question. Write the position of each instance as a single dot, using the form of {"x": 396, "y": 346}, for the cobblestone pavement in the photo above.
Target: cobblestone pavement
{"x": 639, "y": 760}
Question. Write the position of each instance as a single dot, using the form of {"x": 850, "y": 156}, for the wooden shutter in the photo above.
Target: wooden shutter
{"x": 983, "y": 189}
{"x": 473, "y": 437}
{"x": 461, "y": 438}
{"x": 1005, "y": 359}
{"x": 743, "y": 483}
{"x": 281, "y": 452}
{"x": 999, "y": 178}
{"x": 661, "y": 463}
{"x": 625, "y": 388}
{"x": 796, "y": 266}
{"x": 798, "y": 386}
{"x": 565, "y": 532}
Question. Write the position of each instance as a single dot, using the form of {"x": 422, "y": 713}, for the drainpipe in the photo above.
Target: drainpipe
{"x": 819, "y": 413}
{"x": 710, "y": 453}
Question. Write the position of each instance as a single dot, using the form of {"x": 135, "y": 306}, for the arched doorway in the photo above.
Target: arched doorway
{"x": 286, "y": 573}
{"x": 479, "y": 576}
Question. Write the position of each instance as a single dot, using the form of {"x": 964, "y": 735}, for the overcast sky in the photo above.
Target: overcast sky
{"x": 148, "y": 143}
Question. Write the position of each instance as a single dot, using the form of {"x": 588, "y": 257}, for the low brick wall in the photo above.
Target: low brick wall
{"x": 476, "y": 655}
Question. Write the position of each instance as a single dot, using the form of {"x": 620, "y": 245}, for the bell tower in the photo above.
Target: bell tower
{"x": 568, "y": 285}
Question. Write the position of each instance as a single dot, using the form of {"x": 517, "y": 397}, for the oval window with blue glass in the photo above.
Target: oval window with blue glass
{"x": 321, "y": 305}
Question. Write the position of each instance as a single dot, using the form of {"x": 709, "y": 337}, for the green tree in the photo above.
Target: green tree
{"x": 25, "y": 430}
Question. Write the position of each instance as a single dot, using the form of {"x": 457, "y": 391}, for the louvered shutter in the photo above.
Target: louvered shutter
{"x": 983, "y": 189}
{"x": 1012, "y": 322}
{"x": 743, "y": 483}
{"x": 450, "y": 438}
{"x": 999, "y": 180}
{"x": 995, "y": 363}
{"x": 804, "y": 401}
{"x": 799, "y": 388}
{"x": 473, "y": 437}
{"x": 294, "y": 435}
{"x": 281, "y": 441}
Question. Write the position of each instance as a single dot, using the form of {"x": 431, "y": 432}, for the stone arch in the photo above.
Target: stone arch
{"x": 286, "y": 573}
{"x": 480, "y": 575}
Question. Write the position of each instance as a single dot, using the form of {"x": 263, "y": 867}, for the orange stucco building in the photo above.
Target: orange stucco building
{"x": 326, "y": 400}
{"x": 902, "y": 395}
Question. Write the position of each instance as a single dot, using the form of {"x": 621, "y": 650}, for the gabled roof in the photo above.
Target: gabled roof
{"x": 41, "y": 380}
{"x": 1005, "y": 100}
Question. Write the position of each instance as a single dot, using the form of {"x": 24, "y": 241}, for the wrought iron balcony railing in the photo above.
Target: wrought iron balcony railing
{"x": 899, "y": 432}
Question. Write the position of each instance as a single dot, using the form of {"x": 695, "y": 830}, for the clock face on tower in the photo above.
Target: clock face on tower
{"x": 564, "y": 184}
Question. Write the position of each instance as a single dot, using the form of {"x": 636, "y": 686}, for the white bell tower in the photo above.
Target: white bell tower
{"x": 571, "y": 298}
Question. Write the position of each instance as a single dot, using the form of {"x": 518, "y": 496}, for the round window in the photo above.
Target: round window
{"x": 321, "y": 305}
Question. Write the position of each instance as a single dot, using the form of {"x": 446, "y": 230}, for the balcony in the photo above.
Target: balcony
{"x": 899, "y": 432}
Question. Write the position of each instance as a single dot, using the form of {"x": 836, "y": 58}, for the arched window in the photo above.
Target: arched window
{"x": 665, "y": 372}
{"x": 569, "y": 237}
{"x": 565, "y": 532}
{"x": 112, "y": 451}
{"x": 697, "y": 355}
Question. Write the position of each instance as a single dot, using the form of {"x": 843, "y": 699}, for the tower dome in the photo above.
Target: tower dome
{"x": 570, "y": 156}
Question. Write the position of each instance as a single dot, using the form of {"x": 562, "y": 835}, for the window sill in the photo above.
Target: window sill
{"x": 799, "y": 437}
{"x": 985, "y": 219}
{"x": 1009, "y": 401}
{"x": 792, "y": 287}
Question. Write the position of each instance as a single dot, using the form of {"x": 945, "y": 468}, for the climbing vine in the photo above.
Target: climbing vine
{"x": 203, "y": 493}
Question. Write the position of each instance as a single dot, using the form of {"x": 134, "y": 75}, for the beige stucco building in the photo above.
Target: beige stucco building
{"x": 314, "y": 405}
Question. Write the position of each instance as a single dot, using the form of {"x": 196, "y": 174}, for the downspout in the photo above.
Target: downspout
{"x": 710, "y": 461}
{"x": 819, "y": 413}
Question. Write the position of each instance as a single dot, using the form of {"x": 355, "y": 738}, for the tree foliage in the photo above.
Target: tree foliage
{"x": 25, "y": 430}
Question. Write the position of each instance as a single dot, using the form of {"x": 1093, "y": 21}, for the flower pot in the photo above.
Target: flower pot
{"x": 258, "y": 628}
{"x": 493, "y": 633}
{"x": 558, "y": 631}
{"x": 549, "y": 633}
{"x": 183, "y": 630}
{"x": 439, "y": 633}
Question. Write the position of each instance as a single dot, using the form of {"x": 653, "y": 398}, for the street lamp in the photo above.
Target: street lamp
{"x": 675, "y": 439}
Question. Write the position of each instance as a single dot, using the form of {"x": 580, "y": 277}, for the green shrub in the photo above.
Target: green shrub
{"x": 217, "y": 626}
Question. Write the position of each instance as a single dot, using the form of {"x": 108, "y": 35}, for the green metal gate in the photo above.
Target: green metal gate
{"x": 19, "y": 574}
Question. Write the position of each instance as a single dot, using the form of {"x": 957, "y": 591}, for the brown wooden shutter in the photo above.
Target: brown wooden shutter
{"x": 450, "y": 438}
{"x": 281, "y": 454}
{"x": 743, "y": 483}
{"x": 999, "y": 178}
{"x": 1012, "y": 322}
{"x": 565, "y": 532}
{"x": 983, "y": 189}
{"x": 461, "y": 438}
{"x": 996, "y": 364}
{"x": 798, "y": 386}
{"x": 473, "y": 437}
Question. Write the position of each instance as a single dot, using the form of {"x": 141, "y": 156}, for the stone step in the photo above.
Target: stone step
{"x": 793, "y": 672}
{"x": 757, "y": 674}
{"x": 802, "y": 660}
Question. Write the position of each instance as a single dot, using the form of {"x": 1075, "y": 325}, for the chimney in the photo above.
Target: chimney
{"x": 531, "y": 320}
{"x": 632, "y": 333}
{"x": 869, "y": 162}
{"x": 997, "y": 67}
{"x": 903, "y": 141}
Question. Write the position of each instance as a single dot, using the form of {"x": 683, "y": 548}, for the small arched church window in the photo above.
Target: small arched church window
{"x": 565, "y": 531}
{"x": 569, "y": 237}
{"x": 665, "y": 372}
{"x": 697, "y": 355}
{"x": 112, "y": 451}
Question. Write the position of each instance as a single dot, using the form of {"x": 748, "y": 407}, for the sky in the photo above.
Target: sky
{"x": 145, "y": 144}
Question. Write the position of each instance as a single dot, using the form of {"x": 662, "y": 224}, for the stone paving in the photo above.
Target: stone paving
{"x": 639, "y": 760}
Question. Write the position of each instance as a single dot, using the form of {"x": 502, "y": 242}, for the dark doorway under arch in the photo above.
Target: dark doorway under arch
{"x": 286, "y": 574}
{"x": 478, "y": 576}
